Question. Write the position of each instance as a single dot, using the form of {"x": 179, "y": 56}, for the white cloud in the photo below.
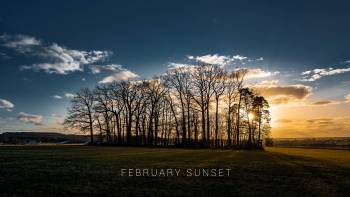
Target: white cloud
{"x": 30, "y": 118}
{"x": 217, "y": 59}
{"x": 69, "y": 95}
{"x": 57, "y": 97}
{"x": 5, "y": 104}
{"x": 57, "y": 59}
{"x": 190, "y": 57}
{"x": 238, "y": 57}
{"x": 123, "y": 75}
{"x": 213, "y": 59}
{"x": 318, "y": 73}
{"x": 115, "y": 72}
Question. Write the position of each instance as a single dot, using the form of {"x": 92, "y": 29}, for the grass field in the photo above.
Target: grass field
{"x": 85, "y": 170}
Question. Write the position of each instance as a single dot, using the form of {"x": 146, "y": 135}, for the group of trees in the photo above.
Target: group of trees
{"x": 202, "y": 105}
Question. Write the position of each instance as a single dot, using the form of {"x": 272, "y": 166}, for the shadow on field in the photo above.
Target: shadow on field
{"x": 95, "y": 171}
{"x": 319, "y": 178}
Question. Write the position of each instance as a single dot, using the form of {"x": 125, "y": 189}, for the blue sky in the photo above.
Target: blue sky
{"x": 51, "y": 49}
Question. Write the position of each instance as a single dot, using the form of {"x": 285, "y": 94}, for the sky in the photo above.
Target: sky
{"x": 297, "y": 52}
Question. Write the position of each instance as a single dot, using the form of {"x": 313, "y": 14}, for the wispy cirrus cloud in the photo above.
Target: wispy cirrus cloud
{"x": 55, "y": 58}
{"x": 4, "y": 55}
{"x": 96, "y": 69}
{"x": 30, "y": 118}
{"x": 57, "y": 97}
{"x": 65, "y": 95}
{"x": 21, "y": 43}
{"x": 318, "y": 73}
{"x": 269, "y": 82}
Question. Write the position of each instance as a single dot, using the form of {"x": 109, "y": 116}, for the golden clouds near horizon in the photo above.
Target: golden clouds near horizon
{"x": 310, "y": 121}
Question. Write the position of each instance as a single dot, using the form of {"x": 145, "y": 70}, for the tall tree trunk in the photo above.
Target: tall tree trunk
{"x": 229, "y": 126}
{"x": 128, "y": 127}
{"x": 183, "y": 125}
{"x": 107, "y": 127}
{"x": 156, "y": 123}
{"x": 91, "y": 129}
{"x": 150, "y": 127}
{"x": 137, "y": 128}
{"x": 259, "y": 128}
{"x": 216, "y": 121}
{"x": 118, "y": 127}
{"x": 100, "y": 127}
{"x": 204, "y": 142}
{"x": 238, "y": 120}
{"x": 208, "y": 124}
{"x": 195, "y": 124}
{"x": 249, "y": 131}
{"x": 144, "y": 131}
{"x": 249, "y": 123}
{"x": 188, "y": 123}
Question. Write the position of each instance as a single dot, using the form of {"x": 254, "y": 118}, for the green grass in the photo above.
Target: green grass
{"x": 85, "y": 170}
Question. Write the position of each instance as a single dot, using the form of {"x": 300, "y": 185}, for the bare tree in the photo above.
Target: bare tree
{"x": 239, "y": 77}
{"x": 80, "y": 114}
{"x": 178, "y": 80}
{"x": 174, "y": 109}
{"x": 129, "y": 96}
{"x": 231, "y": 93}
{"x": 200, "y": 89}
{"x": 103, "y": 104}
{"x": 218, "y": 89}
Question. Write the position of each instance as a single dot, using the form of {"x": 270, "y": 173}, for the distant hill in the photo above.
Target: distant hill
{"x": 41, "y": 137}
{"x": 313, "y": 142}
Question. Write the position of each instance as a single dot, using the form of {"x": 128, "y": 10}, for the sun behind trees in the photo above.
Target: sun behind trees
{"x": 190, "y": 106}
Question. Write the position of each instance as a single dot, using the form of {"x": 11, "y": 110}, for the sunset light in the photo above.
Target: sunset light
{"x": 175, "y": 98}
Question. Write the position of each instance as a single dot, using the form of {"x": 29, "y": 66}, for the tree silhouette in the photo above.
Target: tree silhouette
{"x": 199, "y": 105}
{"x": 80, "y": 115}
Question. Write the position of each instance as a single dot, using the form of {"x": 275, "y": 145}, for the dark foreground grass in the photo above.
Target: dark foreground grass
{"x": 95, "y": 171}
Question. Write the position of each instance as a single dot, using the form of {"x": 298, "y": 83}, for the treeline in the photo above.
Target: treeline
{"x": 199, "y": 105}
